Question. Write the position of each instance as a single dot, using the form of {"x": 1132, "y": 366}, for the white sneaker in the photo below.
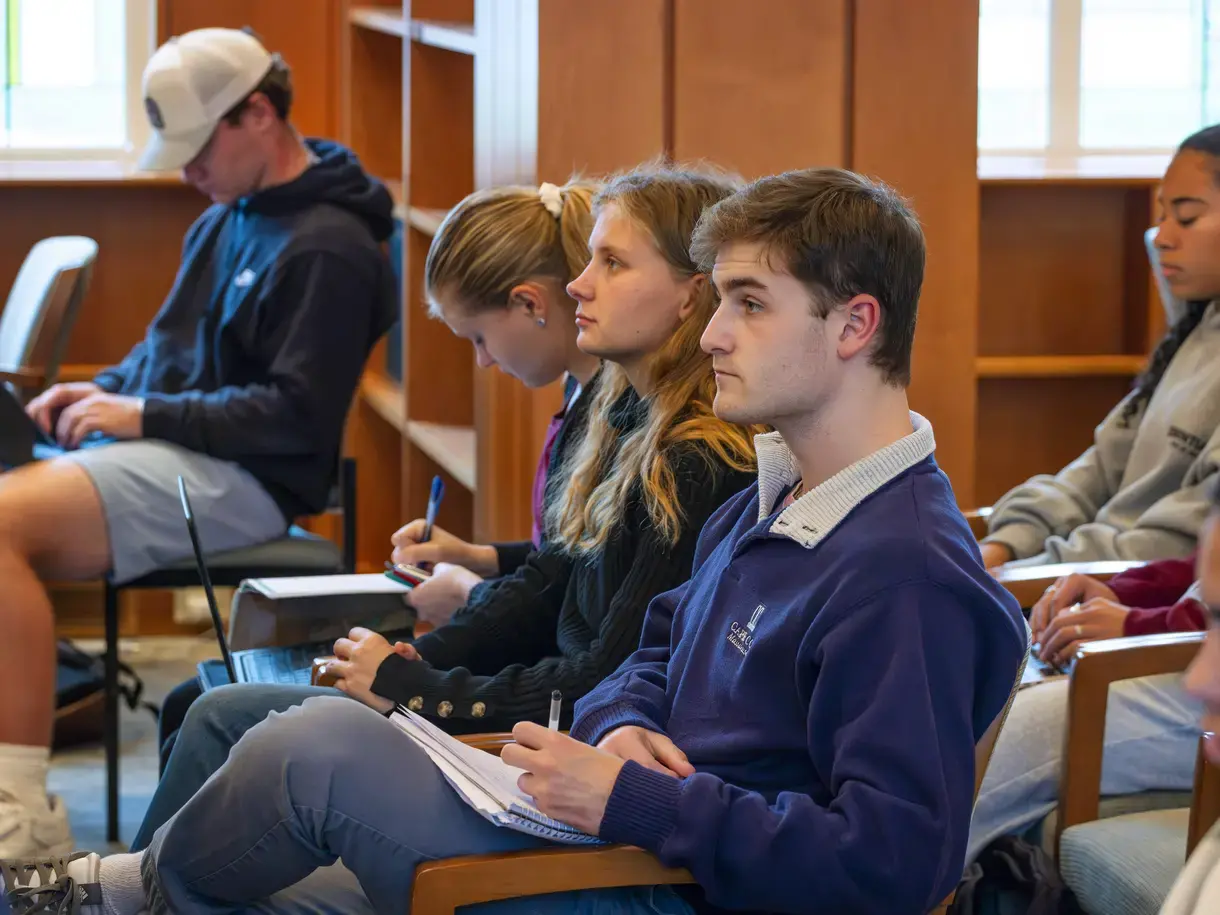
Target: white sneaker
{"x": 29, "y": 832}
{"x": 71, "y": 885}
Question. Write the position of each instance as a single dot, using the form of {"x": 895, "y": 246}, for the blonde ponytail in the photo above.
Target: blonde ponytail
{"x": 500, "y": 237}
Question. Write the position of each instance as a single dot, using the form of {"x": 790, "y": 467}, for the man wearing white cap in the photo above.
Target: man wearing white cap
{"x": 241, "y": 384}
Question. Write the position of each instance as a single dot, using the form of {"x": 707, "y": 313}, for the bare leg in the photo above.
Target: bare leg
{"x": 51, "y": 526}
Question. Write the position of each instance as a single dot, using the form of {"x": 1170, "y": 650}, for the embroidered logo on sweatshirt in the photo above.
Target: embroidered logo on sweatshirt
{"x": 742, "y": 637}
{"x": 1187, "y": 442}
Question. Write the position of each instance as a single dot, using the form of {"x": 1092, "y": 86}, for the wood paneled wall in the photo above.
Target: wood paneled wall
{"x": 139, "y": 232}
{"x": 914, "y": 108}
{"x": 885, "y": 87}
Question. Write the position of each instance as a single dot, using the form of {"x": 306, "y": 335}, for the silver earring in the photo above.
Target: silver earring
{"x": 542, "y": 322}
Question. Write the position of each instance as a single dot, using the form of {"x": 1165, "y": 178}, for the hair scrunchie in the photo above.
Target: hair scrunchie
{"x": 551, "y": 198}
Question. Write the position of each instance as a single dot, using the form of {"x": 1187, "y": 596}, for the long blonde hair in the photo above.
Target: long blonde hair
{"x": 603, "y": 470}
{"x": 502, "y": 236}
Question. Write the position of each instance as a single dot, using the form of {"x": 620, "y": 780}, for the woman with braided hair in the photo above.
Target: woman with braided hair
{"x": 1140, "y": 491}
{"x": 1143, "y": 491}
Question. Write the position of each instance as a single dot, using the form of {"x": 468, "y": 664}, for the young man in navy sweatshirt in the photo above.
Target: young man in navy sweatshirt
{"x": 798, "y": 725}
{"x": 241, "y": 384}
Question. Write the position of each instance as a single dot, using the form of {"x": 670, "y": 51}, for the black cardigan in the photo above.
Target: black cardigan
{"x": 559, "y": 622}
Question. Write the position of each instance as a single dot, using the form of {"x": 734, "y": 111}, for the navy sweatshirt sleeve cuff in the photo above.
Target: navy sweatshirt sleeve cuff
{"x": 590, "y": 728}
{"x": 162, "y": 418}
{"x": 643, "y": 807}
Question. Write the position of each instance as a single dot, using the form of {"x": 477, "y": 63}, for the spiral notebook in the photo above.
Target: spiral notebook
{"x": 486, "y": 783}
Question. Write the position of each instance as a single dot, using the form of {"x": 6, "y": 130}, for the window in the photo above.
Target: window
{"x": 72, "y": 73}
{"x": 1071, "y": 77}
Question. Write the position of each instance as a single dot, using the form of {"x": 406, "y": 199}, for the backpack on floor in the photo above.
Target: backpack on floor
{"x": 1014, "y": 877}
{"x": 80, "y": 685}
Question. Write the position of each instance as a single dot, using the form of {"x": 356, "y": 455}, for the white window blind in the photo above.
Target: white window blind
{"x": 72, "y": 72}
{"x": 1072, "y": 77}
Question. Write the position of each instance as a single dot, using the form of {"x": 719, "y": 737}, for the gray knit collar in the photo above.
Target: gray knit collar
{"x": 812, "y": 517}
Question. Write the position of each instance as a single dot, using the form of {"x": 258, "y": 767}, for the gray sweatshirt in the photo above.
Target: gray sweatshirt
{"x": 1140, "y": 492}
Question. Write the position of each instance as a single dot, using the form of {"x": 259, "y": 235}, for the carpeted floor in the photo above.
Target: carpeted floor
{"x": 78, "y": 775}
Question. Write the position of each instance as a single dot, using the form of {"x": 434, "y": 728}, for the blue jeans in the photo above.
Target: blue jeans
{"x": 214, "y": 723}
{"x": 333, "y": 779}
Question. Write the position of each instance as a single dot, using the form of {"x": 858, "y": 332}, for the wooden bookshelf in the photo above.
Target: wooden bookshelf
{"x": 1068, "y": 306}
{"x": 379, "y": 19}
{"x": 451, "y": 447}
{"x": 426, "y": 220}
{"x": 384, "y": 395}
{"x": 450, "y": 36}
{"x": 1057, "y": 366}
{"x": 1119, "y": 171}
{"x": 409, "y": 110}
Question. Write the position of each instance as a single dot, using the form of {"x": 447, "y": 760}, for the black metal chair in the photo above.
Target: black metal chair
{"x": 298, "y": 552}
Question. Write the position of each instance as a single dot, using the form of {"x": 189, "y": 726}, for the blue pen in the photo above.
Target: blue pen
{"x": 434, "y": 505}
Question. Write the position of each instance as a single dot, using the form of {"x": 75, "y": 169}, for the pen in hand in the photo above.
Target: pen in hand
{"x": 434, "y": 505}
{"x": 556, "y": 702}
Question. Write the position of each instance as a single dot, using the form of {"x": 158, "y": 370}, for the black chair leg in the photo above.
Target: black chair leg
{"x": 112, "y": 712}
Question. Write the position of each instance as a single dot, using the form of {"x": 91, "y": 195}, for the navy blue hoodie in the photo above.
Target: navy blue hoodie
{"x": 256, "y": 353}
{"x": 827, "y": 671}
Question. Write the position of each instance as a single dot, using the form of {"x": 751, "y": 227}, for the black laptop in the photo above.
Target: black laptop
{"x": 21, "y": 439}
{"x": 287, "y": 664}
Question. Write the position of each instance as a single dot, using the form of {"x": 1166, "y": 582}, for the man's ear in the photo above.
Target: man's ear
{"x": 259, "y": 107}
{"x": 862, "y": 322}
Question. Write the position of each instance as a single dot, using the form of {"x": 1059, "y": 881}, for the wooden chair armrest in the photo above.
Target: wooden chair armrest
{"x": 1028, "y": 583}
{"x": 1095, "y": 667}
{"x": 442, "y": 886}
{"x": 28, "y": 379}
{"x": 978, "y": 518}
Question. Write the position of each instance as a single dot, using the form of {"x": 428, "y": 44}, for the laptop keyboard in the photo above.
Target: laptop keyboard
{"x": 279, "y": 665}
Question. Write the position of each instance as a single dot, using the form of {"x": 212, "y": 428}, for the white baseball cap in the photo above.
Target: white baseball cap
{"x": 190, "y": 83}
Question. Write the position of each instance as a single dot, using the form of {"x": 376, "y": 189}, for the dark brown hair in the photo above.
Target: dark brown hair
{"x": 841, "y": 235}
{"x": 276, "y": 85}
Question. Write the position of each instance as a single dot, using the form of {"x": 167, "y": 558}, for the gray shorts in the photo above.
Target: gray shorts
{"x": 138, "y": 485}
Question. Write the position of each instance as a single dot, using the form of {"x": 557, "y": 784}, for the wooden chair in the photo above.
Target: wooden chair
{"x": 1123, "y": 864}
{"x": 1098, "y": 665}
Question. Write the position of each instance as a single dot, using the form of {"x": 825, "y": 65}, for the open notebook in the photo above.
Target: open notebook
{"x": 486, "y": 783}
